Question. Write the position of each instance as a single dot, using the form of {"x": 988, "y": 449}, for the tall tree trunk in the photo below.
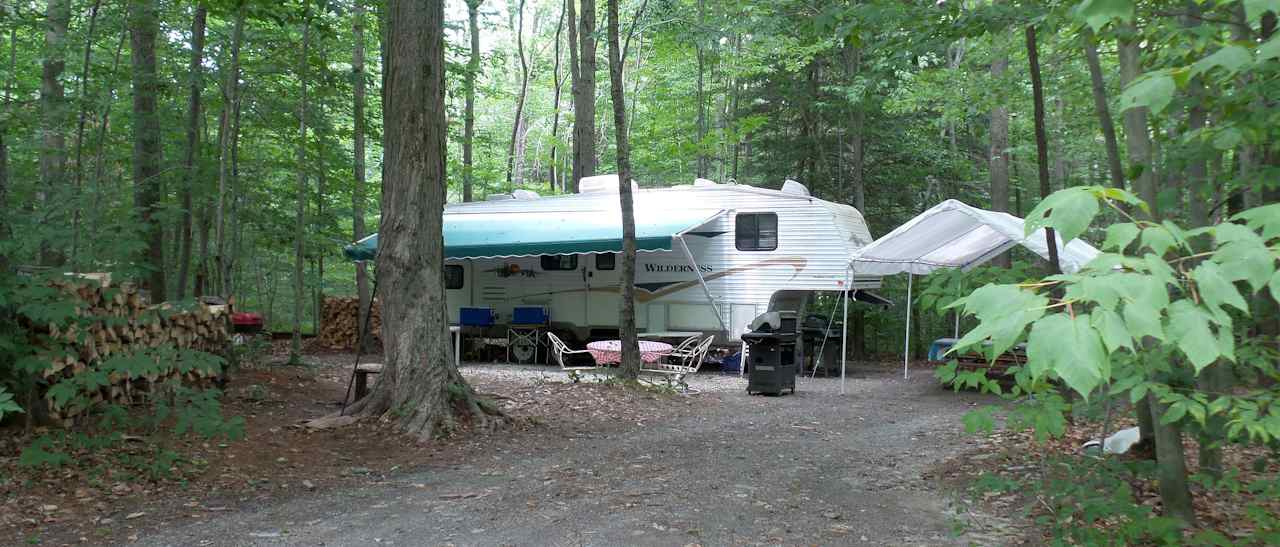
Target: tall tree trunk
{"x": 1172, "y": 468}
{"x": 419, "y": 380}
{"x": 195, "y": 75}
{"x": 999, "y": 151}
{"x": 857, "y": 125}
{"x": 1042, "y": 140}
{"x": 702, "y": 94}
{"x": 5, "y": 231}
{"x": 1103, "y": 111}
{"x": 584, "y": 96}
{"x": 80, "y": 124}
{"x": 227, "y": 136}
{"x": 358, "y": 193}
{"x": 469, "y": 118}
{"x": 627, "y": 315}
{"x": 299, "y": 255}
{"x": 51, "y": 193}
{"x": 99, "y": 165}
{"x": 147, "y": 150}
{"x": 1136, "y": 136}
{"x": 516, "y": 125}
{"x": 555, "y": 101}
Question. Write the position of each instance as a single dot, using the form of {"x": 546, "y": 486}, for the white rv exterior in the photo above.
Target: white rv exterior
{"x": 814, "y": 240}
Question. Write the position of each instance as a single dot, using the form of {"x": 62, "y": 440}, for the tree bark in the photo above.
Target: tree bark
{"x": 555, "y": 101}
{"x": 1104, "y": 112}
{"x": 627, "y": 315}
{"x": 584, "y": 96}
{"x": 299, "y": 255}
{"x": 469, "y": 118}
{"x": 999, "y": 152}
{"x": 1172, "y": 468}
{"x": 516, "y": 125}
{"x": 857, "y": 126}
{"x": 1042, "y": 140}
{"x": 195, "y": 75}
{"x": 418, "y": 380}
{"x": 701, "y": 95}
{"x": 358, "y": 193}
{"x": 1137, "y": 138}
{"x": 227, "y": 136}
{"x": 147, "y": 150}
{"x": 80, "y": 124}
{"x": 51, "y": 193}
{"x": 5, "y": 231}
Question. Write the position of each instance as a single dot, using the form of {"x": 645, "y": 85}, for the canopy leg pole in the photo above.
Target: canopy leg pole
{"x": 906, "y": 340}
{"x": 364, "y": 330}
{"x": 701, "y": 280}
{"x": 844, "y": 340}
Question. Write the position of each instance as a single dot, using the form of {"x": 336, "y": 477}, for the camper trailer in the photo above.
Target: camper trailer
{"x": 711, "y": 256}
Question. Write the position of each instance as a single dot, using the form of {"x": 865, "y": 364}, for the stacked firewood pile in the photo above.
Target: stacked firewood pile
{"x": 340, "y": 322}
{"x": 117, "y": 321}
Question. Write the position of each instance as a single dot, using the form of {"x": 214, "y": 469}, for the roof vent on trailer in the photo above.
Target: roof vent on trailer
{"x": 793, "y": 187}
{"x": 524, "y": 194}
{"x": 702, "y": 183}
{"x": 602, "y": 184}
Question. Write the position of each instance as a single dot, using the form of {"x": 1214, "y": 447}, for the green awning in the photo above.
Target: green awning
{"x": 511, "y": 234}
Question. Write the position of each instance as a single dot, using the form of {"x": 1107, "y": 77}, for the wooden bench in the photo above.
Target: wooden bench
{"x": 363, "y": 370}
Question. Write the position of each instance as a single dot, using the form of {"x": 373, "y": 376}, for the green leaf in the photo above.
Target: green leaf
{"x": 1243, "y": 255}
{"x": 1120, "y": 235}
{"x": 1003, "y": 312}
{"x": 1137, "y": 393}
{"x": 1189, "y": 329}
{"x": 1174, "y": 413}
{"x": 1274, "y": 287}
{"x": 1153, "y": 90}
{"x": 1159, "y": 239}
{"x": 1229, "y": 57}
{"x": 1071, "y": 349}
{"x": 1069, "y": 212}
{"x": 1265, "y": 218}
{"x": 1255, "y": 9}
{"x": 1270, "y": 49}
{"x": 1097, "y": 13}
{"x": 1114, "y": 334}
{"x": 1227, "y": 138}
{"x": 1215, "y": 288}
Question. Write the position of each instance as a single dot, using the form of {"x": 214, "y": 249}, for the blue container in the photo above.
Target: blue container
{"x": 476, "y": 317}
{"x": 530, "y": 315}
{"x": 731, "y": 364}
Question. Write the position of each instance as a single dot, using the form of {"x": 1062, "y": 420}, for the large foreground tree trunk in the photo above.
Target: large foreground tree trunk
{"x": 1100, "y": 106}
{"x": 627, "y": 315}
{"x": 226, "y": 139}
{"x": 143, "y": 28}
{"x": 419, "y": 380}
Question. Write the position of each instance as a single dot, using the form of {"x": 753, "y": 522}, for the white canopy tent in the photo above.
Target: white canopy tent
{"x": 955, "y": 235}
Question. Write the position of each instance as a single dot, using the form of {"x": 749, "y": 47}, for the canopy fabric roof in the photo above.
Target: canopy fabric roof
{"x": 955, "y": 235}
{"x": 507, "y": 234}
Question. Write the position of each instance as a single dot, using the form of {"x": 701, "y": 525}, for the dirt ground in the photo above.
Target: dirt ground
{"x": 585, "y": 463}
{"x": 716, "y": 468}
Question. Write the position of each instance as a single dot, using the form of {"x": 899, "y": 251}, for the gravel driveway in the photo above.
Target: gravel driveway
{"x": 814, "y": 468}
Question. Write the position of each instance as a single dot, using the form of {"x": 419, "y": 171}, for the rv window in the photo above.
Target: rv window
{"x": 756, "y": 231}
{"x": 452, "y": 277}
{"x": 606, "y": 261}
{"x": 553, "y": 263}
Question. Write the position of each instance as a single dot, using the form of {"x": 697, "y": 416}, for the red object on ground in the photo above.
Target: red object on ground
{"x": 246, "y": 320}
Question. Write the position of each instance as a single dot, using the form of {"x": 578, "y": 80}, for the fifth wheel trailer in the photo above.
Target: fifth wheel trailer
{"x": 712, "y": 256}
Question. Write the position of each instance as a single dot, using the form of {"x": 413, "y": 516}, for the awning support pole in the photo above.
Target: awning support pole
{"x": 705, "y": 289}
{"x": 844, "y": 336}
{"x": 906, "y": 341}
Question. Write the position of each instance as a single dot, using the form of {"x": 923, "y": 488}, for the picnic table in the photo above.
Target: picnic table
{"x": 608, "y": 352}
